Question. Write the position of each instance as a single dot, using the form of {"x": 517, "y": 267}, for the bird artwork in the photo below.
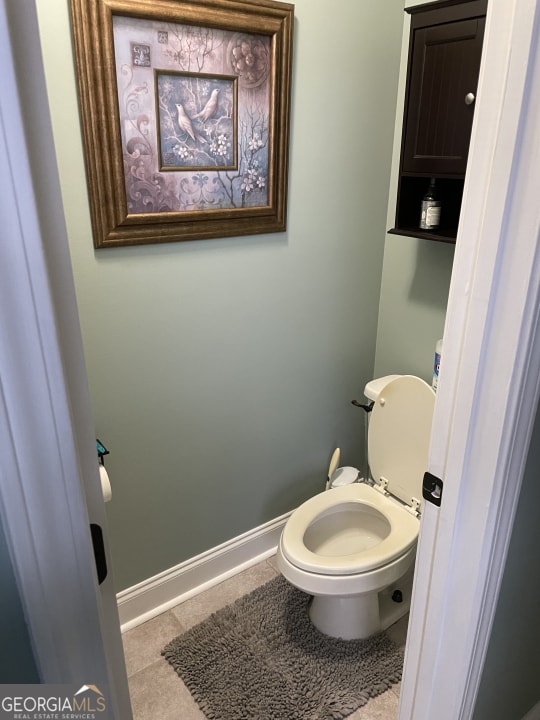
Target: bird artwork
{"x": 185, "y": 124}
{"x": 209, "y": 110}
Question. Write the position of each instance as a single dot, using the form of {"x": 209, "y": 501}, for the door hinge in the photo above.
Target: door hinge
{"x": 432, "y": 488}
{"x": 99, "y": 551}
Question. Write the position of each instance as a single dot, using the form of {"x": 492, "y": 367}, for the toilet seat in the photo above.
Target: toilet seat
{"x": 402, "y": 531}
{"x": 357, "y": 528}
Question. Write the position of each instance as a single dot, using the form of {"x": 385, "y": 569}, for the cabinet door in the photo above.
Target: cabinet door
{"x": 444, "y": 68}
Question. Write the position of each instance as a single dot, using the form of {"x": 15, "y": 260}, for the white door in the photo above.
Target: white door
{"x": 489, "y": 384}
{"x": 50, "y": 490}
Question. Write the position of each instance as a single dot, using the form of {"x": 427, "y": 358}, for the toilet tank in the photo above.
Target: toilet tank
{"x": 374, "y": 387}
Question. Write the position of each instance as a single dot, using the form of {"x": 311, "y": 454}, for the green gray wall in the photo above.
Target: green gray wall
{"x": 221, "y": 371}
{"x": 415, "y": 276}
{"x": 414, "y": 293}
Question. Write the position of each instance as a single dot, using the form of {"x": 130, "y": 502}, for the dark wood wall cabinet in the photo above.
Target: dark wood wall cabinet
{"x": 442, "y": 75}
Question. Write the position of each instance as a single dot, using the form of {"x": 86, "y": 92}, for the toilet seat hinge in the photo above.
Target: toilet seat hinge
{"x": 414, "y": 507}
{"x": 381, "y": 485}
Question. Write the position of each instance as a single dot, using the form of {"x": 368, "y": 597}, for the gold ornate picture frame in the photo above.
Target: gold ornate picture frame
{"x": 185, "y": 117}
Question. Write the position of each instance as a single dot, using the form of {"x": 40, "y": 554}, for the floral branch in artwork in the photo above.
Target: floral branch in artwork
{"x": 189, "y": 47}
{"x": 247, "y": 186}
{"x": 242, "y": 188}
{"x": 253, "y": 143}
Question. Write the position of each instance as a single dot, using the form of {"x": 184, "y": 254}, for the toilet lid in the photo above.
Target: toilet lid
{"x": 399, "y": 434}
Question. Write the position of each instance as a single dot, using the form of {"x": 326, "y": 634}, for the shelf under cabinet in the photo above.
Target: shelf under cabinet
{"x": 411, "y": 190}
{"x": 447, "y": 236}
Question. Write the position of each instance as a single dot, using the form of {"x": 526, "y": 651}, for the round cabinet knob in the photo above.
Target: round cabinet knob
{"x": 469, "y": 98}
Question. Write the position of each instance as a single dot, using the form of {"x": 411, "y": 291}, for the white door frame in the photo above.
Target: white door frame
{"x": 488, "y": 358}
{"x": 489, "y": 385}
{"x": 50, "y": 490}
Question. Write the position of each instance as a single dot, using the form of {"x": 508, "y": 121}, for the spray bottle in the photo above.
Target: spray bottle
{"x": 437, "y": 364}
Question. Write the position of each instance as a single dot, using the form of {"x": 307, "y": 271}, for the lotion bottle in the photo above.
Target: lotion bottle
{"x": 430, "y": 216}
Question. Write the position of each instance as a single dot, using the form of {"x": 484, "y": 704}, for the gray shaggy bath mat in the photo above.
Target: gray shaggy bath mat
{"x": 260, "y": 658}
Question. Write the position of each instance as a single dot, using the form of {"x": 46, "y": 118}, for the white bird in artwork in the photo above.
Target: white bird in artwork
{"x": 185, "y": 124}
{"x": 209, "y": 110}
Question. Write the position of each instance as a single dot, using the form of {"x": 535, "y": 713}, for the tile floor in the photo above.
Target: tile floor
{"x": 157, "y": 693}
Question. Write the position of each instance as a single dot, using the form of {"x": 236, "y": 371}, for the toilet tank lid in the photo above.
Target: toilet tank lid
{"x": 374, "y": 387}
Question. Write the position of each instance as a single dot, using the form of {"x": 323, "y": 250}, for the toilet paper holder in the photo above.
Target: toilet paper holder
{"x": 103, "y": 474}
{"x": 96, "y": 532}
{"x": 101, "y": 451}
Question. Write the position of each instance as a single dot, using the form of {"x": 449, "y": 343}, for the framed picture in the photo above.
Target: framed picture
{"x": 184, "y": 111}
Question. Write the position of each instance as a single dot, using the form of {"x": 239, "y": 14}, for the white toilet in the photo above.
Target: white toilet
{"x": 353, "y": 547}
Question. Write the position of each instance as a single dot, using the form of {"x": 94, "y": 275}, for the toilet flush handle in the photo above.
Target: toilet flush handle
{"x": 368, "y": 408}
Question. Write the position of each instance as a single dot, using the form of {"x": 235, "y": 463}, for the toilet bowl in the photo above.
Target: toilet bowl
{"x": 353, "y": 547}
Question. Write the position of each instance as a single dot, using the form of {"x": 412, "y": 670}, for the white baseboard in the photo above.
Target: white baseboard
{"x": 160, "y": 593}
{"x": 534, "y": 713}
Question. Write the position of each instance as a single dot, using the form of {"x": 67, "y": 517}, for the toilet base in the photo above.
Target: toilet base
{"x": 357, "y": 617}
{"x": 349, "y": 618}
